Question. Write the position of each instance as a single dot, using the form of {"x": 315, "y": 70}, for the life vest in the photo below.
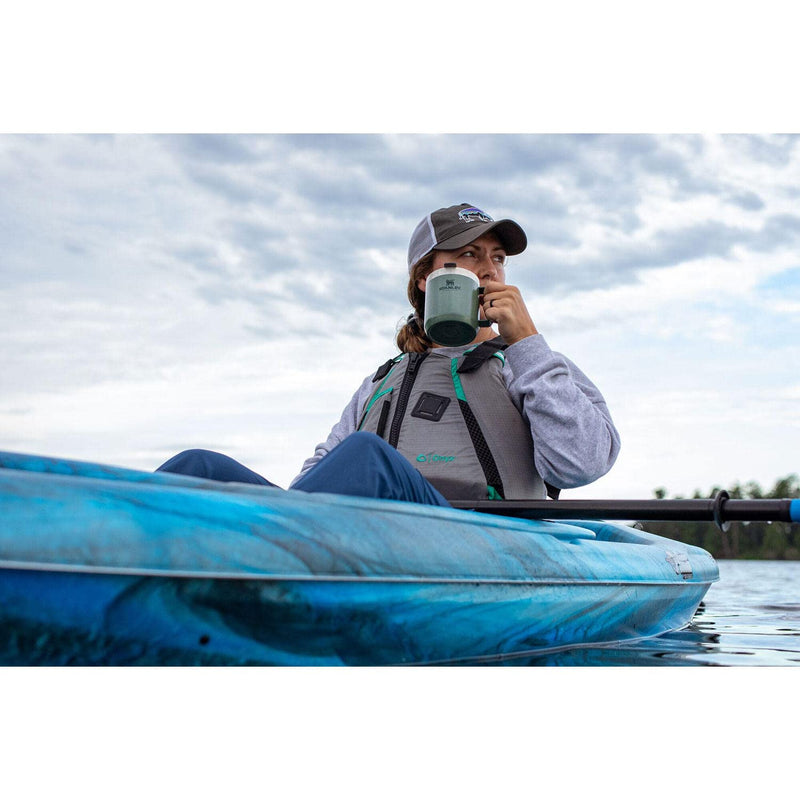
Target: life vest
{"x": 454, "y": 420}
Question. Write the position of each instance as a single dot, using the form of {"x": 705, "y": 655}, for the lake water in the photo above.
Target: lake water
{"x": 750, "y": 617}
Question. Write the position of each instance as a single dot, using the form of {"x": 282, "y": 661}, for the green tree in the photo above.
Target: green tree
{"x": 767, "y": 540}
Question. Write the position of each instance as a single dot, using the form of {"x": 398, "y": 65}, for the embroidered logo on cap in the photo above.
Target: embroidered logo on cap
{"x": 473, "y": 215}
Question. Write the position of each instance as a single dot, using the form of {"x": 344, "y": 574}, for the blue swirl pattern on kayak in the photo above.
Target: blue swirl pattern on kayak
{"x": 104, "y": 565}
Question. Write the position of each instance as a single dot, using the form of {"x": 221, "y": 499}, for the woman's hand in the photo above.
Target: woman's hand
{"x": 504, "y": 306}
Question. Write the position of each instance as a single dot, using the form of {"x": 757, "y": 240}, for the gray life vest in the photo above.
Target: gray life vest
{"x": 454, "y": 420}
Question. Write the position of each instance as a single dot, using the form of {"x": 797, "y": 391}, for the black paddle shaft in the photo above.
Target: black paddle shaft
{"x": 719, "y": 509}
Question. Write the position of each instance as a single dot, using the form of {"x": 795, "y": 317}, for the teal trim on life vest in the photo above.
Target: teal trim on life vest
{"x": 457, "y": 380}
{"x": 493, "y": 494}
{"x": 378, "y": 393}
{"x": 372, "y": 403}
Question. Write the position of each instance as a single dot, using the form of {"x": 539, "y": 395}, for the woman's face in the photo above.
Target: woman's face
{"x": 484, "y": 256}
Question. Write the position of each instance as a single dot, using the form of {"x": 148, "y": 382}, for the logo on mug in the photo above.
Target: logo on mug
{"x": 449, "y": 283}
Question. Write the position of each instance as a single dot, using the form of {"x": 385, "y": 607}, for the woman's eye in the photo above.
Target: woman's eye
{"x": 468, "y": 254}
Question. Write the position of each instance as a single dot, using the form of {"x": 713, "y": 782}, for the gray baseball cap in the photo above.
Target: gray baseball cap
{"x": 453, "y": 227}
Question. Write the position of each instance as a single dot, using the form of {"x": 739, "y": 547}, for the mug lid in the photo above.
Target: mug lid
{"x": 465, "y": 273}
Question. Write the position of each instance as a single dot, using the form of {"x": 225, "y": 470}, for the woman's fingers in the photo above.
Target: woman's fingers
{"x": 503, "y": 305}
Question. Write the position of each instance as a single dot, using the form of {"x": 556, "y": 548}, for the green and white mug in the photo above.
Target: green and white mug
{"x": 451, "y": 306}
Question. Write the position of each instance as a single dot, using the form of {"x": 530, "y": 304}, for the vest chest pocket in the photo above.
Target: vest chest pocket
{"x": 430, "y": 406}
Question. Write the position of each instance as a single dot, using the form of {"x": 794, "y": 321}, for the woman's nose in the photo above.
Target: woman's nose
{"x": 488, "y": 268}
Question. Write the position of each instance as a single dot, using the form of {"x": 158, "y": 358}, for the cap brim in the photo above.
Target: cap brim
{"x": 510, "y": 234}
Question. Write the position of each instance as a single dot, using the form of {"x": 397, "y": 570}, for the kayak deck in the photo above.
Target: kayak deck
{"x": 101, "y": 565}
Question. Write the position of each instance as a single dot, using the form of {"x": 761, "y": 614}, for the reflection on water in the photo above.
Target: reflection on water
{"x": 750, "y": 617}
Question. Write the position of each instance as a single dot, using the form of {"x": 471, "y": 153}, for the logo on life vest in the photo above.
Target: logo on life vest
{"x": 473, "y": 215}
{"x": 432, "y": 458}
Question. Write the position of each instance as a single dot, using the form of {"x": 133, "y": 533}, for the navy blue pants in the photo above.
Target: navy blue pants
{"x": 363, "y": 465}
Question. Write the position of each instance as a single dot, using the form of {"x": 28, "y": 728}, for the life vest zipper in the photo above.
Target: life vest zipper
{"x": 414, "y": 361}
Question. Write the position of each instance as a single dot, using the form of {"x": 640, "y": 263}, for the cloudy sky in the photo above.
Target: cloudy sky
{"x": 161, "y": 292}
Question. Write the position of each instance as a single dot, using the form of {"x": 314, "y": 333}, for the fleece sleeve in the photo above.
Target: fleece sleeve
{"x": 575, "y": 440}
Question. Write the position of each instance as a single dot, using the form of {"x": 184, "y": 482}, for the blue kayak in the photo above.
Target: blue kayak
{"x": 106, "y": 565}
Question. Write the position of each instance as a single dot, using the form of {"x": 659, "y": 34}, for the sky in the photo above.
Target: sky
{"x": 161, "y": 292}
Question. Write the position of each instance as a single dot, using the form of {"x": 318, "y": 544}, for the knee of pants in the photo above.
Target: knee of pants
{"x": 368, "y": 451}
{"x": 195, "y": 452}
{"x": 193, "y": 455}
{"x": 196, "y": 461}
{"x": 366, "y": 448}
{"x": 364, "y": 440}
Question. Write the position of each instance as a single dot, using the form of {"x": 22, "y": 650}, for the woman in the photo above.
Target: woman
{"x": 503, "y": 416}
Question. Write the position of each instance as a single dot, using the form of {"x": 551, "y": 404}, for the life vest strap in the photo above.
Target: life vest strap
{"x": 482, "y": 353}
{"x": 472, "y": 361}
{"x": 481, "y": 447}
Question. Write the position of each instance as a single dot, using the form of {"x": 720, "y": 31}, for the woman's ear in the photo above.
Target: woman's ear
{"x": 421, "y": 283}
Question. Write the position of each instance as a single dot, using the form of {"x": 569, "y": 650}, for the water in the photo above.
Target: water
{"x": 750, "y": 617}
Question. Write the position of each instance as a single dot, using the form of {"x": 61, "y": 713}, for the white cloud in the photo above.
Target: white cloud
{"x": 168, "y": 292}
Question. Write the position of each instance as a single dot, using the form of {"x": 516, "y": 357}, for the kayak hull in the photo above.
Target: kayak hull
{"x": 86, "y": 619}
{"x": 100, "y": 565}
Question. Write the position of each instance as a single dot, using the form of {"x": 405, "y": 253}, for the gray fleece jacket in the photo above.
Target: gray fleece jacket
{"x": 575, "y": 439}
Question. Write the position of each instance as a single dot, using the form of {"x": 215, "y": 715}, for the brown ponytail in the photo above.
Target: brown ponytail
{"x": 411, "y": 338}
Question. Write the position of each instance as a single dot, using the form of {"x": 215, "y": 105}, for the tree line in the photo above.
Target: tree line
{"x": 758, "y": 540}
